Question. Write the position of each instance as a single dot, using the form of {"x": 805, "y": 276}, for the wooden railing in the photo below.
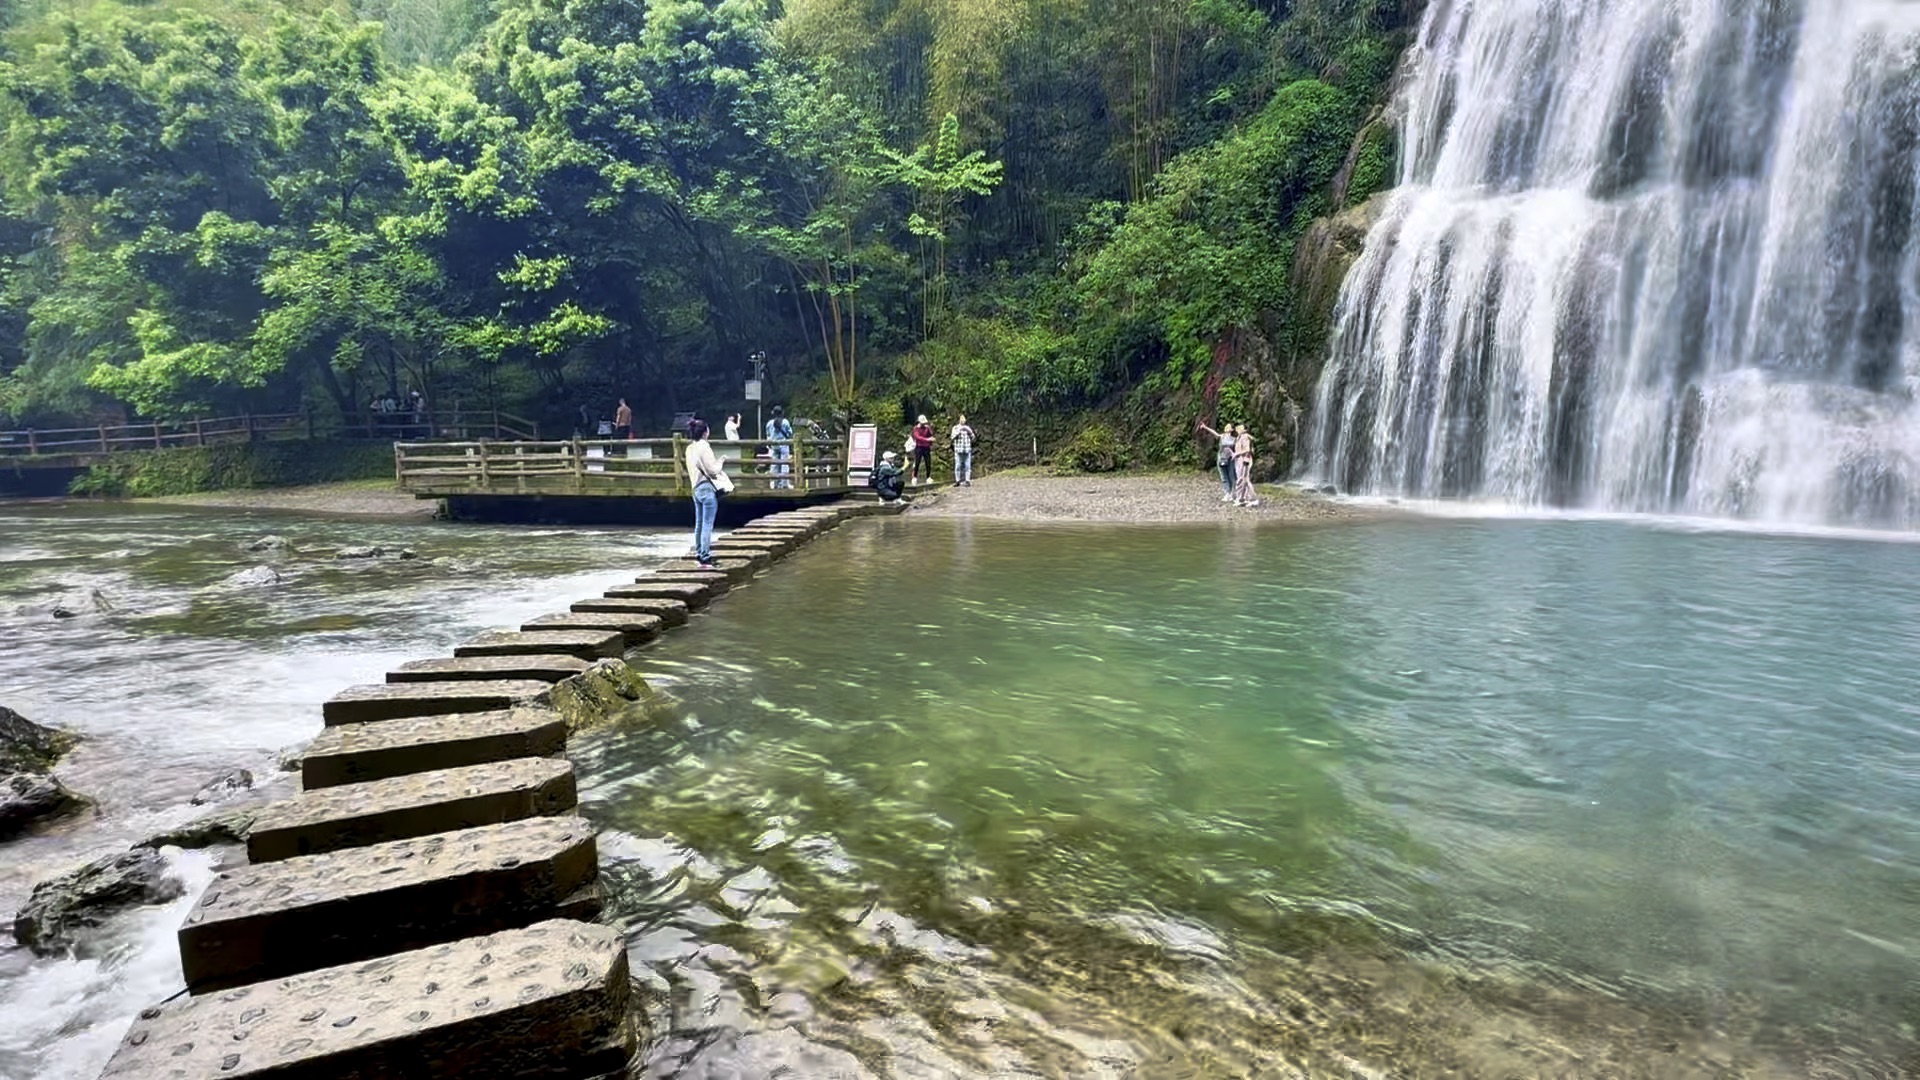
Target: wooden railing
{"x": 386, "y": 427}
{"x": 611, "y": 467}
{"x": 109, "y": 438}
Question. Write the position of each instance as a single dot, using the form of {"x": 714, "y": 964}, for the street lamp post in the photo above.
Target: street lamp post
{"x": 756, "y": 388}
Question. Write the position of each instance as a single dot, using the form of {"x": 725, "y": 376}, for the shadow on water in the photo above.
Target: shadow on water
{"x": 949, "y": 798}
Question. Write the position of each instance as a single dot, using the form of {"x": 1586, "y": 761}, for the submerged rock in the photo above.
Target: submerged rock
{"x": 224, "y": 788}
{"x": 288, "y": 760}
{"x": 606, "y": 691}
{"x": 62, "y": 909}
{"x": 29, "y": 747}
{"x": 375, "y": 551}
{"x": 253, "y": 577}
{"x": 225, "y": 827}
{"x": 270, "y": 543}
{"x": 26, "y": 797}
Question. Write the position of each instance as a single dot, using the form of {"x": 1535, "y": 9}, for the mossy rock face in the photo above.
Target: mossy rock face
{"x": 608, "y": 692}
{"x": 62, "y": 910}
{"x": 29, "y": 747}
{"x": 28, "y": 797}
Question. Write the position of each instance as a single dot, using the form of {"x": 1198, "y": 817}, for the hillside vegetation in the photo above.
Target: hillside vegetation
{"x": 1032, "y": 210}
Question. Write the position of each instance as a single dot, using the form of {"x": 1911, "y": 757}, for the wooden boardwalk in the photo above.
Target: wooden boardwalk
{"x": 78, "y": 447}
{"x": 637, "y": 468}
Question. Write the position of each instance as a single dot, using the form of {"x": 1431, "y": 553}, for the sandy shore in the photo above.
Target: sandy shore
{"x": 1159, "y": 498}
{"x": 357, "y": 498}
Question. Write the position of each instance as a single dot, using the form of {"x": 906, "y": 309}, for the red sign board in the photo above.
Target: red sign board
{"x": 862, "y": 440}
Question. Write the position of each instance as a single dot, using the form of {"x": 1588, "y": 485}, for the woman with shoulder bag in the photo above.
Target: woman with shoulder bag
{"x": 710, "y": 481}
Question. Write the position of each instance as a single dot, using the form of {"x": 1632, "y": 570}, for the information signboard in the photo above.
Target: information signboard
{"x": 753, "y": 389}
{"x": 863, "y": 441}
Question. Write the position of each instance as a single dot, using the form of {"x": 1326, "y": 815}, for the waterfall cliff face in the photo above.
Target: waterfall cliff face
{"x": 1650, "y": 255}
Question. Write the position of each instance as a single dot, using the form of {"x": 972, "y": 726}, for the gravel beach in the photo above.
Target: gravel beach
{"x": 1171, "y": 499}
{"x": 356, "y": 498}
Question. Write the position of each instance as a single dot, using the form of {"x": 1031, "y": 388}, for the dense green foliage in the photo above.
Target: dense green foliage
{"x": 185, "y": 470}
{"x": 1036, "y": 206}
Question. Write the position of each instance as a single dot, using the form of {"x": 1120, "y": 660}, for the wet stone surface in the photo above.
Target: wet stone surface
{"x": 546, "y": 667}
{"x": 669, "y": 612}
{"x": 586, "y": 644}
{"x": 355, "y": 815}
{"x": 694, "y": 595}
{"x": 390, "y": 701}
{"x": 637, "y": 628}
{"x": 356, "y": 753}
{"x": 736, "y": 570}
{"x": 547, "y": 1000}
{"x": 282, "y": 918}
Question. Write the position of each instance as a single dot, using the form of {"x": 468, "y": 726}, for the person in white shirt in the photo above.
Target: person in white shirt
{"x": 732, "y": 427}
{"x": 702, "y": 468}
{"x": 962, "y": 436}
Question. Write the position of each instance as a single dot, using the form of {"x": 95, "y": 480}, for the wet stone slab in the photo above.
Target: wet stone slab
{"x": 694, "y": 595}
{"x": 283, "y": 918}
{"x": 357, "y": 753}
{"x": 546, "y": 667}
{"x": 669, "y": 612}
{"x": 760, "y": 557}
{"x": 715, "y": 584}
{"x": 735, "y": 570}
{"x": 401, "y": 807}
{"x": 547, "y": 1000}
{"x": 392, "y": 701}
{"x": 636, "y": 627}
{"x": 586, "y": 644}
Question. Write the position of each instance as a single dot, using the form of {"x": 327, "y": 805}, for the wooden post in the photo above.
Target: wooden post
{"x": 33, "y": 443}
{"x": 199, "y": 432}
{"x": 486, "y": 473}
{"x": 248, "y": 417}
{"x": 104, "y": 448}
{"x": 157, "y": 444}
{"x": 680, "y": 467}
{"x": 579, "y": 466}
{"x": 799, "y": 462}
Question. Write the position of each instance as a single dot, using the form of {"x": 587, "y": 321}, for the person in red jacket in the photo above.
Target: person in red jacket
{"x": 922, "y": 451}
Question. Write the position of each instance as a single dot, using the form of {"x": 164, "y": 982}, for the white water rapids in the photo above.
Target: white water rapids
{"x": 1645, "y": 255}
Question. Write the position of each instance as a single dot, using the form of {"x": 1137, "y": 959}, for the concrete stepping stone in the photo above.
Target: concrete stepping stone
{"x": 669, "y": 612}
{"x": 639, "y": 629}
{"x": 735, "y": 570}
{"x": 777, "y": 546}
{"x": 760, "y": 557}
{"x": 283, "y": 918}
{"x": 357, "y": 753}
{"x": 715, "y": 584}
{"x": 546, "y": 1000}
{"x": 546, "y": 667}
{"x": 586, "y": 644}
{"x": 693, "y": 594}
{"x": 390, "y": 701}
{"x": 420, "y": 804}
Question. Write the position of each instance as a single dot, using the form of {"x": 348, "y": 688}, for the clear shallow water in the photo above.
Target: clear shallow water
{"x": 182, "y": 678}
{"x": 944, "y": 798}
{"x": 1431, "y": 798}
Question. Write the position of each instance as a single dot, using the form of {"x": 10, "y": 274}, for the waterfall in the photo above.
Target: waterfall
{"x": 1645, "y": 255}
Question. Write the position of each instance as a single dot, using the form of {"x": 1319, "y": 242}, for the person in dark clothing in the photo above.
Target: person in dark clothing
{"x": 922, "y": 451}
{"x": 887, "y": 479}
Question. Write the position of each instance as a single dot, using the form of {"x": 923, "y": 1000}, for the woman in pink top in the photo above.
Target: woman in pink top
{"x": 1243, "y": 493}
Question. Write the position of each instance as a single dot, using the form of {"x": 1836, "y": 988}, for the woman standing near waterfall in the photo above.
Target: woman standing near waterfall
{"x": 1243, "y": 493}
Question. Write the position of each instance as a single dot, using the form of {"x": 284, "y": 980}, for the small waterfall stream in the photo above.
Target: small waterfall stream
{"x": 1646, "y": 255}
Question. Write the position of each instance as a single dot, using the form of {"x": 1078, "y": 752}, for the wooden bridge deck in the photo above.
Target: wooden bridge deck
{"x": 626, "y": 468}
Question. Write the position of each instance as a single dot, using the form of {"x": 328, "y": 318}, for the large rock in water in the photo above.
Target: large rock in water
{"x": 27, "y": 797}
{"x": 29, "y": 747}
{"x": 63, "y": 909}
{"x": 605, "y": 692}
{"x": 225, "y": 827}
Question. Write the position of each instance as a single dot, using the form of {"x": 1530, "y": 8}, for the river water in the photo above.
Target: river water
{"x": 954, "y": 798}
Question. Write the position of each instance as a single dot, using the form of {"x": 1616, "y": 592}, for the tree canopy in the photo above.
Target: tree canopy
{"x": 544, "y": 204}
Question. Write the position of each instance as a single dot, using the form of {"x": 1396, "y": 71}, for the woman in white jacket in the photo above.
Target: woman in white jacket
{"x": 709, "y": 480}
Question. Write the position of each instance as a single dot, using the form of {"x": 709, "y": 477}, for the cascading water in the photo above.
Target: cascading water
{"x": 1646, "y": 255}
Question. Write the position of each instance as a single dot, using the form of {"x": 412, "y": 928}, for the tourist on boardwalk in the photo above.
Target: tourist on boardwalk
{"x": 887, "y": 478}
{"x": 623, "y": 421}
{"x": 732, "y": 427}
{"x": 780, "y": 433}
{"x": 922, "y": 468}
{"x": 1224, "y": 460}
{"x": 709, "y": 480}
{"x": 1243, "y": 492}
{"x": 962, "y": 436}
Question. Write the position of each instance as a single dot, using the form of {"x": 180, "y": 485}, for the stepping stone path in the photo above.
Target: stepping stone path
{"x": 435, "y": 807}
{"x": 283, "y": 918}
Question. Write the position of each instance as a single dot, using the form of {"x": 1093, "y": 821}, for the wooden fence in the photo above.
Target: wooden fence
{"x": 653, "y": 467}
{"x": 88, "y": 442}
